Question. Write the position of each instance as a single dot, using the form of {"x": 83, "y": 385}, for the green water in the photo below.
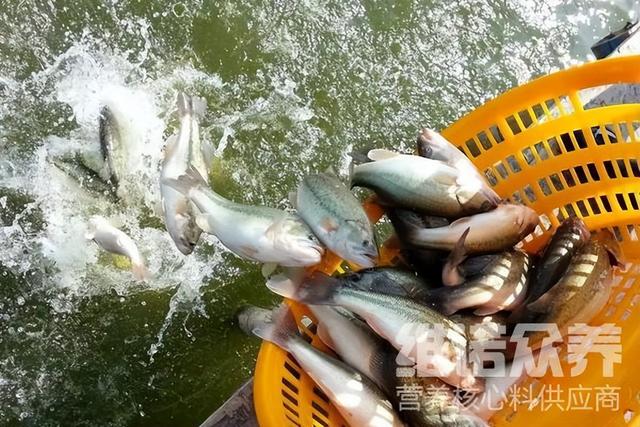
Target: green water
{"x": 291, "y": 88}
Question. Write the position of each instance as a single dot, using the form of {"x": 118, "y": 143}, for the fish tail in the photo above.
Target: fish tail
{"x": 279, "y": 330}
{"x": 140, "y": 272}
{"x": 450, "y": 274}
{"x": 319, "y": 289}
{"x": 184, "y": 183}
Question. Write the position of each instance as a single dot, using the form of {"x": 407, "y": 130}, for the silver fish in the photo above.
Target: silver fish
{"x": 337, "y": 218}
{"x": 257, "y": 233}
{"x": 430, "y": 186}
{"x": 355, "y": 396}
{"x": 112, "y": 146}
{"x": 359, "y": 347}
{"x": 179, "y": 215}
{"x": 116, "y": 241}
{"x": 401, "y": 321}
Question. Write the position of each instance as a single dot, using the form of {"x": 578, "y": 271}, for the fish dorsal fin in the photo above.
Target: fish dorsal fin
{"x": 450, "y": 274}
{"x": 378, "y": 154}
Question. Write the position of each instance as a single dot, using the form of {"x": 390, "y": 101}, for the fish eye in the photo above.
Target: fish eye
{"x": 366, "y": 243}
{"x": 311, "y": 237}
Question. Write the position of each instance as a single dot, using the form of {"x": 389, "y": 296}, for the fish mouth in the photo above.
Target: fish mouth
{"x": 364, "y": 260}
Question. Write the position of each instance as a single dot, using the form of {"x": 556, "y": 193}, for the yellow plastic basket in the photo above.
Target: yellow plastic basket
{"x": 542, "y": 145}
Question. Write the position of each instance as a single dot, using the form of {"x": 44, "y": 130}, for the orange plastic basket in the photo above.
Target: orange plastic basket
{"x": 541, "y": 145}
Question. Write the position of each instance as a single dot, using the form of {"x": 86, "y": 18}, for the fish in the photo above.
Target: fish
{"x": 337, "y": 218}
{"x": 356, "y": 397}
{"x": 359, "y": 347}
{"x": 432, "y": 145}
{"x": 384, "y": 280}
{"x": 86, "y": 177}
{"x": 112, "y": 146}
{"x": 569, "y": 238}
{"x": 494, "y": 231}
{"x": 118, "y": 242}
{"x": 502, "y": 287}
{"x": 582, "y": 291}
{"x": 401, "y": 321}
{"x": 427, "y": 262}
{"x": 257, "y": 233}
{"x": 179, "y": 214}
{"x": 427, "y": 185}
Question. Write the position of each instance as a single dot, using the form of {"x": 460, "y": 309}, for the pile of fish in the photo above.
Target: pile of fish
{"x": 459, "y": 264}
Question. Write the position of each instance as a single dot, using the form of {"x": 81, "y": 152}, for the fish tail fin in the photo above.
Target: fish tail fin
{"x": 184, "y": 183}
{"x": 198, "y": 106}
{"x": 140, "y": 271}
{"x": 450, "y": 274}
{"x": 319, "y": 289}
{"x": 279, "y": 330}
{"x": 249, "y": 317}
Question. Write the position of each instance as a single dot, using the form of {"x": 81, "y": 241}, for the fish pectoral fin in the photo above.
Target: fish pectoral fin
{"x": 268, "y": 268}
{"x": 89, "y": 235}
{"x": 329, "y": 225}
{"x": 378, "y": 154}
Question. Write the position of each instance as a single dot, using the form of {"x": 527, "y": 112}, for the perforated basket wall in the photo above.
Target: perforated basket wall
{"x": 543, "y": 145}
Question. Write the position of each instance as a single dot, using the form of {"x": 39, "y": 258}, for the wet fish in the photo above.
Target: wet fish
{"x": 569, "y": 238}
{"x": 116, "y": 241}
{"x": 337, "y": 218}
{"x": 384, "y": 280}
{"x": 427, "y": 262}
{"x": 432, "y": 145}
{"x": 359, "y": 347}
{"x": 257, "y": 233}
{"x": 355, "y": 396}
{"x": 179, "y": 215}
{"x": 494, "y": 231}
{"x": 401, "y": 321}
{"x": 112, "y": 146}
{"x": 582, "y": 291}
{"x": 502, "y": 287}
{"x": 430, "y": 186}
